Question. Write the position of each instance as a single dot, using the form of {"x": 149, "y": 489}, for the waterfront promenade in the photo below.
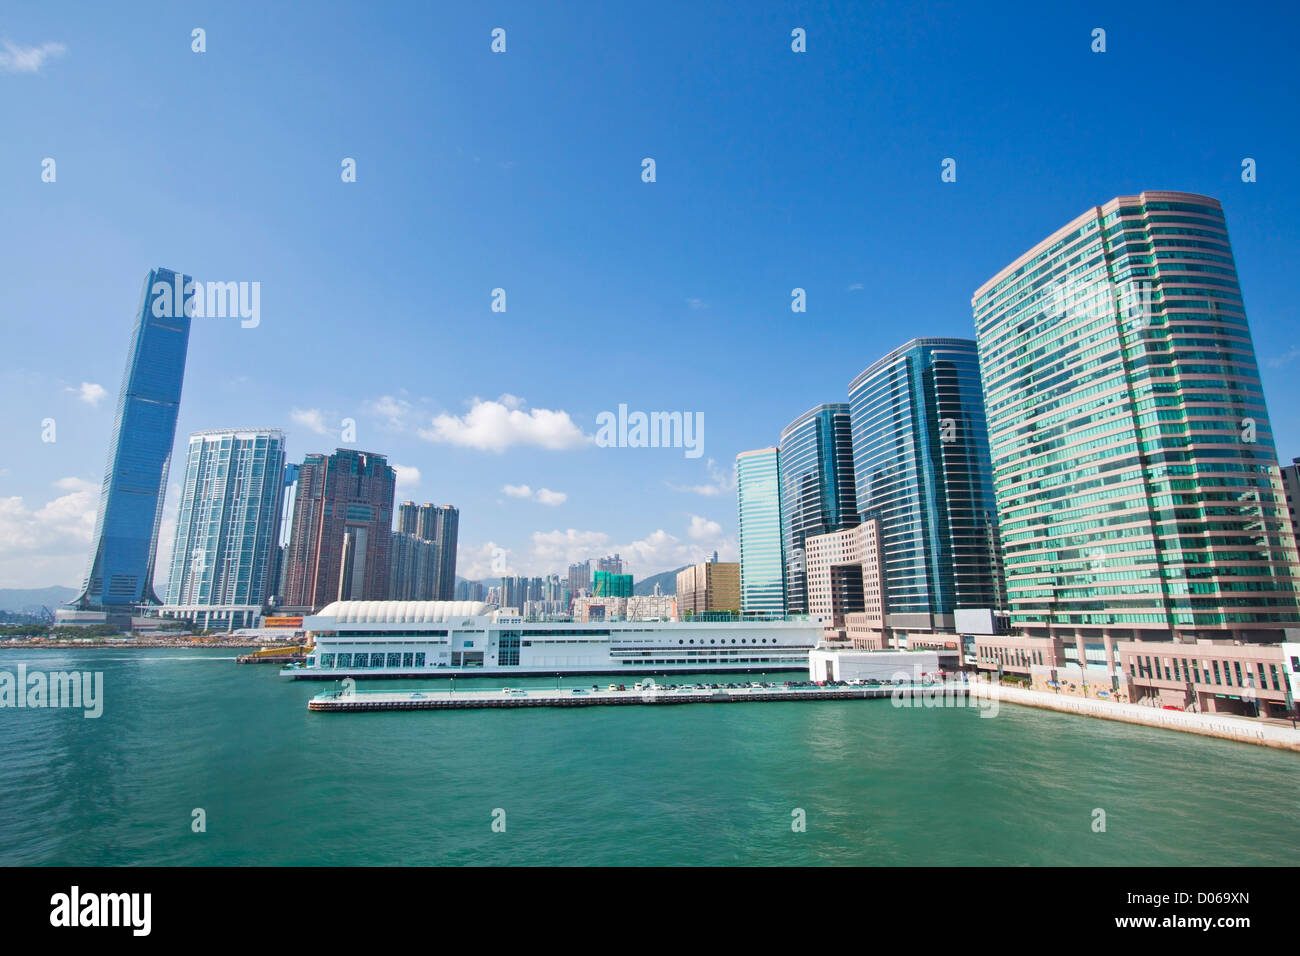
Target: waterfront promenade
{"x": 1243, "y": 729}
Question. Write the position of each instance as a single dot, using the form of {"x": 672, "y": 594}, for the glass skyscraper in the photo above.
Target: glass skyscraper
{"x": 762, "y": 558}
{"x": 124, "y": 547}
{"x": 817, "y": 490}
{"x": 1137, "y": 482}
{"x": 921, "y": 466}
{"x": 227, "y": 530}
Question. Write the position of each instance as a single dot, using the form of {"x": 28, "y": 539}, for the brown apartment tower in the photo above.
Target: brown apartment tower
{"x": 342, "y": 519}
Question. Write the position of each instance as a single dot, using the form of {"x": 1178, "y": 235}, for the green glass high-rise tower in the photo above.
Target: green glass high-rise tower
{"x": 762, "y": 556}
{"x": 1136, "y": 479}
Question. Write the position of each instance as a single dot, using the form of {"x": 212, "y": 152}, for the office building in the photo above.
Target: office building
{"x": 762, "y": 557}
{"x": 342, "y": 521}
{"x": 707, "y": 587}
{"x": 846, "y": 584}
{"x": 1138, "y": 486}
{"x": 817, "y": 490}
{"x": 227, "y": 528}
{"x": 921, "y": 467}
{"x": 611, "y": 563}
{"x": 124, "y": 545}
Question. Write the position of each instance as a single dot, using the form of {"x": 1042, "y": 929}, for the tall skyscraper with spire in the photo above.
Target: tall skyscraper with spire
{"x": 125, "y": 543}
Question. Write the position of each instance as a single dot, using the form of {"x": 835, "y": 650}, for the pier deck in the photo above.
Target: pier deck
{"x": 463, "y": 700}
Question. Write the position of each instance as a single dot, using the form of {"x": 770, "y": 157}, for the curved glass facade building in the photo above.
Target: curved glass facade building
{"x": 1137, "y": 482}
{"x": 762, "y": 559}
{"x": 817, "y": 491}
{"x": 124, "y": 547}
{"x": 921, "y": 466}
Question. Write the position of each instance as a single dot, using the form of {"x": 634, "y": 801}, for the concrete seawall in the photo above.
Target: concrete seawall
{"x": 1210, "y": 725}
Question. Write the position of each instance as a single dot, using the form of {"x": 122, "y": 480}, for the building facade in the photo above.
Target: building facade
{"x": 287, "y": 497}
{"x": 580, "y": 579}
{"x": 921, "y": 467}
{"x": 223, "y": 556}
{"x": 707, "y": 587}
{"x": 610, "y": 584}
{"x": 846, "y": 576}
{"x": 762, "y": 557}
{"x": 1137, "y": 483}
{"x": 1291, "y": 489}
{"x": 423, "y": 562}
{"x": 342, "y": 529}
{"x": 818, "y": 495}
{"x": 125, "y": 542}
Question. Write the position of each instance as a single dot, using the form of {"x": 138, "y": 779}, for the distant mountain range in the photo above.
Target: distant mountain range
{"x": 667, "y": 581}
{"x": 31, "y": 600}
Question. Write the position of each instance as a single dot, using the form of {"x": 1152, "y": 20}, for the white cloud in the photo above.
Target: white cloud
{"x": 548, "y": 497}
{"x": 557, "y": 549}
{"x": 50, "y": 544}
{"x": 17, "y": 59}
{"x": 167, "y": 537}
{"x": 543, "y": 495}
{"x": 311, "y": 418}
{"x": 720, "y": 482}
{"x": 697, "y": 303}
{"x": 701, "y": 529}
{"x": 393, "y": 410}
{"x": 498, "y": 425}
{"x": 90, "y": 393}
{"x": 857, "y": 287}
{"x": 483, "y": 561}
{"x": 407, "y": 475}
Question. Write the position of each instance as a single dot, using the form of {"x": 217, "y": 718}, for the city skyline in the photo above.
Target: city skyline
{"x": 701, "y": 251}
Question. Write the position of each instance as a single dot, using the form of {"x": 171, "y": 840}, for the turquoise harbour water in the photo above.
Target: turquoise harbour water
{"x": 708, "y": 784}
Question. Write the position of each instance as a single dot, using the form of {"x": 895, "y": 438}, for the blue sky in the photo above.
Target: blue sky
{"x": 522, "y": 171}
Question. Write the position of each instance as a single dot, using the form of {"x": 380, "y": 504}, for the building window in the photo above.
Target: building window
{"x": 376, "y": 660}
{"x": 419, "y": 658}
